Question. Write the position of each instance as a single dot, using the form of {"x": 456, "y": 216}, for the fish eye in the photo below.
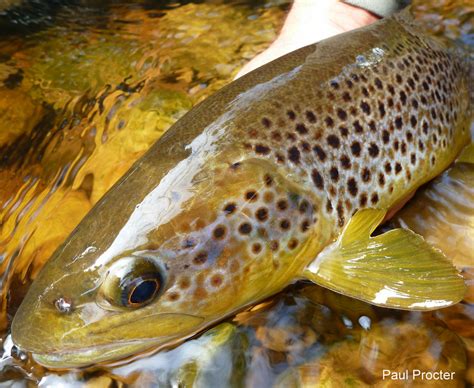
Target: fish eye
{"x": 132, "y": 282}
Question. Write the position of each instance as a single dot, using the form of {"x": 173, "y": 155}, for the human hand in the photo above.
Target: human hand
{"x": 310, "y": 21}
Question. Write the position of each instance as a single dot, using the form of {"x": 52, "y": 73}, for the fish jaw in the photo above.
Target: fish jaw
{"x": 55, "y": 341}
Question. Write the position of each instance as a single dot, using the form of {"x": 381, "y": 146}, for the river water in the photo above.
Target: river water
{"x": 87, "y": 86}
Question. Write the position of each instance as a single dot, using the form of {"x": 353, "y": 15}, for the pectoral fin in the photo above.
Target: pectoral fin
{"x": 467, "y": 155}
{"x": 397, "y": 269}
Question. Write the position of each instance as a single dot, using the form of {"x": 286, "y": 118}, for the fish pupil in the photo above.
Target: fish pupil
{"x": 142, "y": 291}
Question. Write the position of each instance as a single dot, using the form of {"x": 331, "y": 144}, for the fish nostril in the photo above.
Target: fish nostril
{"x": 63, "y": 305}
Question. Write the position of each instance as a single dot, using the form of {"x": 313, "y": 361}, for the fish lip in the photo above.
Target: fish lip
{"x": 117, "y": 352}
{"x": 82, "y": 357}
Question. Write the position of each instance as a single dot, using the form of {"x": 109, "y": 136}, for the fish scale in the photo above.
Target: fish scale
{"x": 375, "y": 129}
{"x": 282, "y": 175}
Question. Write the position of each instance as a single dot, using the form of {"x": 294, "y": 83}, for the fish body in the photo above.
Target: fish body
{"x": 248, "y": 191}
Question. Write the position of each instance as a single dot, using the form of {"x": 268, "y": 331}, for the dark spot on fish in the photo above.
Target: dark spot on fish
{"x": 413, "y": 158}
{"x": 372, "y": 126}
{"x": 340, "y": 214}
{"x": 381, "y": 179}
{"x": 378, "y": 83}
{"x": 216, "y": 280}
{"x": 310, "y": 116}
{"x": 365, "y": 107}
{"x": 382, "y": 109}
{"x": 320, "y": 153}
{"x": 184, "y": 283}
{"x": 355, "y": 148}
{"x": 285, "y": 224}
{"x": 334, "y": 84}
{"x": 346, "y": 97}
{"x": 200, "y": 258}
{"x": 409, "y": 136}
{"x": 365, "y": 174}
{"x": 317, "y": 179}
{"x": 251, "y": 195}
{"x": 352, "y": 186}
{"x": 301, "y": 129}
{"x": 245, "y": 228}
{"x": 329, "y": 206}
{"x": 421, "y": 146}
{"x": 291, "y": 114}
{"x": 398, "y": 168}
{"x": 425, "y": 127}
{"x": 388, "y": 168}
{"x": 219, "y": 232}
{"x": 373, "y": 150}
{"x": 385, "y": 136}
{"x": 305, "y": 146}
{"x": 413, "y": 121}
{"x": 358, "y": 128}
{"x": 374, "y": 199}
{"x": 399, "y": 122}
{"x": 403, "y": 97}
{"x": 404, "y": 148}
{"x": 230, "y": 208}
{"x": 262, "y": 149}
{"x": 188, "y": 243}
{"x": 293, "y": 243}
{"x": 276, "y": 136}
{"x": 268, "y": 180}
{"x": 266, "y": 122}
{"x": 282, "y": 204}
{"x": 256, "y": 248}
{"x": 174, "y": 296}
{"x": 304, "y": 226}
{"x": 294, "y": 155}
{"x": 363, "y": 199}
{"x": 334, "y": 172}
{"x": 329, "y": 121}
{"x": 341, "y": 113}
{"x": 343, "y": 130}
{"x": 333, "y": 141}
{"x": 262, "y": 214}
{"x": 345, "y": 162}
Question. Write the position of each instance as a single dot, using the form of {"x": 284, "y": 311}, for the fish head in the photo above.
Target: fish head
{"x": 235, "y": 240}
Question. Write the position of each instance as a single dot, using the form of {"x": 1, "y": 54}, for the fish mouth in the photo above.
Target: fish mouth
{"x": 89, "y": 345}
{"x": 102, "y": 354}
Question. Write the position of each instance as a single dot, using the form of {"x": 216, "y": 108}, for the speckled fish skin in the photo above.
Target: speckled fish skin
{"x": 244, "y": 191}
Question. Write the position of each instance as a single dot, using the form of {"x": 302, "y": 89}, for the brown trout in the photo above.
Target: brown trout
{"x": 281, "y": 175}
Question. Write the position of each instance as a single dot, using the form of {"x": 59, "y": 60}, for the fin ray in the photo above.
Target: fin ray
{"x": 397, "y": 269}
